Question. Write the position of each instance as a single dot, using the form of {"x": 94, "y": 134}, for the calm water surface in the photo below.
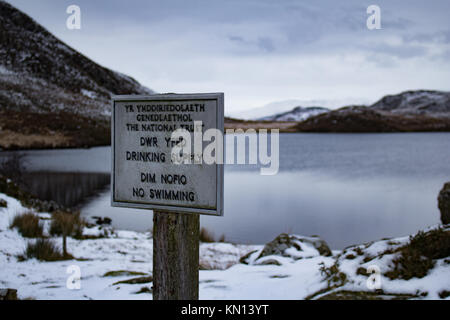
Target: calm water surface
{"x": 347, "y": 188}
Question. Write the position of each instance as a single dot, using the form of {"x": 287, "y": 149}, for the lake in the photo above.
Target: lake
{"x": 346, "y": 188}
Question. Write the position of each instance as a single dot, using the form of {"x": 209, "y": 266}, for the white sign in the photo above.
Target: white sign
{"x": 144, "y": 172}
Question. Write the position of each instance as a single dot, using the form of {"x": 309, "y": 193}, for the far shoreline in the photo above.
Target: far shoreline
{"x": 40, "y": 147}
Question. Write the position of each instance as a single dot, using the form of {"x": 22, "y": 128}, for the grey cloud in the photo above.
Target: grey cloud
{"x": 442, "y": 37}
{"x": 262, "y": 44}
{"x": 162, "y": 41}
{"x": 266, "y": 44}
{"x": 236, "y": 39}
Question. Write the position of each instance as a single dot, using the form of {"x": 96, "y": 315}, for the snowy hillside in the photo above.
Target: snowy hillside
{"x": 430, "y": 104}
{"x": 296, "y": 114}
{"x": 424, "y": 102}
{"x": 33, "y": 62}
{"x": 283, "y": 106}
{"x": 50, "y": 94}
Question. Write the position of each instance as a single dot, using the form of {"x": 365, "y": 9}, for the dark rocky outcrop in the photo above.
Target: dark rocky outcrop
{"x": 423, "y": 102}
{"x": 288, "y": 246}
{"x": 365, "y": 119}
{"x": 444, "y": 203}
{"x": 8, "y": 294}
{"x": 284, "y": 241}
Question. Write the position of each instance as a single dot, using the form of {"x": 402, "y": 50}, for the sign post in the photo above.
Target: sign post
{"x": 147, "y": 173}
{"x": 175, "y": 256}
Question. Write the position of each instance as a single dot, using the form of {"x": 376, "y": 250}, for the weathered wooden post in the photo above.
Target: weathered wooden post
{"x": 175, "y": 256}
{"x": 147, "y": 174}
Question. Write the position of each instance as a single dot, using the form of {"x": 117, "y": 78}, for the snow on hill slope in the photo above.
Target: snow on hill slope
{"x": 296, "y": 114}
{"x": 427, "y": 103}
{"x": 278, "y": 107}
{"x": 423, "y": 102}
{"x": 56, "y": 96}
{"x": 31, "y": 58}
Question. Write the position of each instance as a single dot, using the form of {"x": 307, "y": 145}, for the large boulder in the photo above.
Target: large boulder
{"x": 444, "y": 203}
{"x": 284, "y": 241}
{"x": 286, "y": 246}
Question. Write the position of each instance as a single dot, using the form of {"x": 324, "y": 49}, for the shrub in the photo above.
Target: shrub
{"x": 66, "y": 224}
{"x": 417, "y": 257}
{"x": 362, "y": 271}
{"x": 444, "y": 294}
{"x": 44, "y": 250}
{"x": 70, "y": 224}
{"x": 28, "y": 225}
{"x": 434, "y": 244}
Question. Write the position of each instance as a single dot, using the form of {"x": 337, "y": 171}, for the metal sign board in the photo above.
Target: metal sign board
{"x": 143, "y": 173}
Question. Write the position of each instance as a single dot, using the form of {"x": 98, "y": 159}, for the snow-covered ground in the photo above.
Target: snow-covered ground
{"x": 297, "y": 273}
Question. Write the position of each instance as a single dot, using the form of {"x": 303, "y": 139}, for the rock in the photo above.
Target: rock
{"x": 268, "y": 262}
{"x": 3, "y": 203}
{"x": 101, "y": 221}
{"x": 8, "y": 294}
{"x": 284, "y": 241}
{"x": 244, "y": 258}
{"x": 278, "y": 246}
{"x": 319, "y": 244}
{"x": 444, "y": 203}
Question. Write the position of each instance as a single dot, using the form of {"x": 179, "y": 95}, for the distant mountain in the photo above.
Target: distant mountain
{"x": 296, "y": 114}
{"x": 50, "y": 94}
{"x": 420, "y": 110}
{"x": 278, "y": 107}
{"x": 420, "y": 102}
{"x": 367, "y": 119}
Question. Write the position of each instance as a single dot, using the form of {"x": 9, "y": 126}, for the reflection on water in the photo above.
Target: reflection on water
{"x": 346, "y": 188}
{"x": 343, "y": 212}
{"x": 66, "y": 188}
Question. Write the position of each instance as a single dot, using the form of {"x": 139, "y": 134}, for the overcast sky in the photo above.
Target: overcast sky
{"x": 260, "y": 51}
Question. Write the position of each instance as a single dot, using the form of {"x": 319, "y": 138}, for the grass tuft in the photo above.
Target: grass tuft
{"x": 69, "y": 224}
{"x": 417, "y": 257}
{"x": 43, "y": 250}
{"x": 121, "y": 273}
{"x": 28, "y": 225}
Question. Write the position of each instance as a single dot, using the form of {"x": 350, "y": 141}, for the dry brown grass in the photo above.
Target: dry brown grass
{"x": 69, "y": 224}
{"x": 13, "y": 140}
{"x": 28, "y": 225}
{"x": 43, "y": 250}
{"x": 66, "y": 225}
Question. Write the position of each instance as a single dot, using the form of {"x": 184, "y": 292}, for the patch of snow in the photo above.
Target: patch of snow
{"x": 5, "y": 71}
{"x": 89, "y": 94}
{"x": 297, "y": 114}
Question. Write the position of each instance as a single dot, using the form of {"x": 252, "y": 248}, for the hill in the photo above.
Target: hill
{"x": 50, "y": 94}
{"x": 419, "y": 102}
{"x": 297, "y": 114}
{"x": 367, "y": 119}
